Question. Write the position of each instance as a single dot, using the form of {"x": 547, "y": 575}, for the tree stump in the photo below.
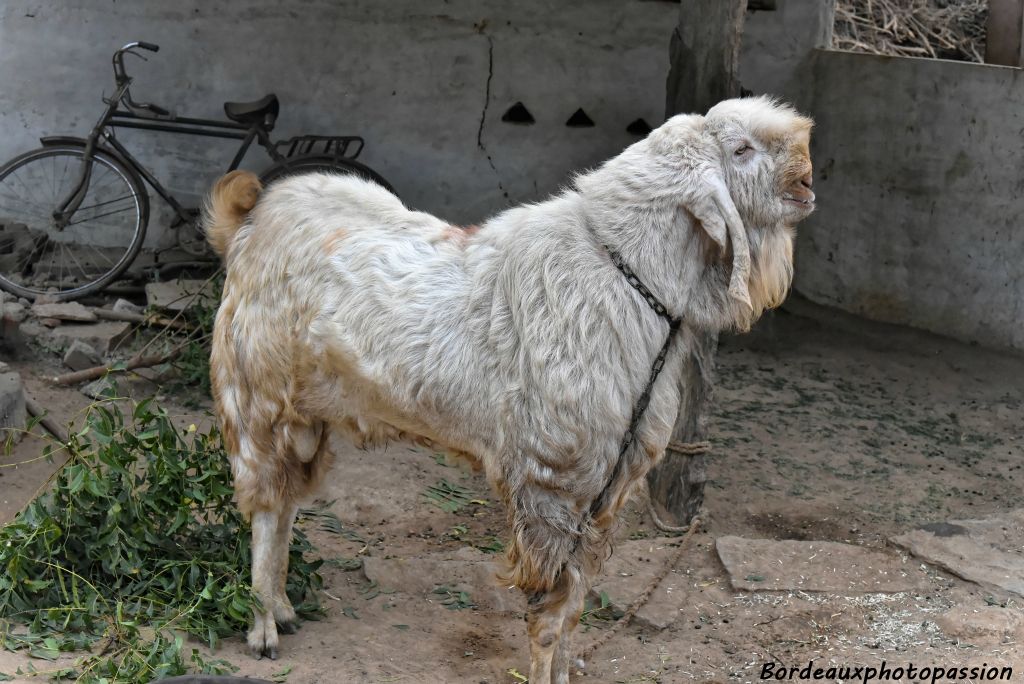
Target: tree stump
{"x": 704, "y": 55}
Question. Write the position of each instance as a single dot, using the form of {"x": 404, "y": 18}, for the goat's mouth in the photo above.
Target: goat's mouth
{"x": 804, "y": 199}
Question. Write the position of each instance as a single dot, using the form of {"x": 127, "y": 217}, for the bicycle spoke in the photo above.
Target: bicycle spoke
{"x": 63, "y": 175}
{"x": 100, "y": 204}
{"x": 71, "y": 253}
{"x": 99, "y": 187}
{"x": 102, "y": 255}
{"x": 28, "y": 192}
{"x": 97, "y": 239}
{"x": 93, "y": 218}
{"x": 9, "y": 208}
{"x": 53, "y": 176}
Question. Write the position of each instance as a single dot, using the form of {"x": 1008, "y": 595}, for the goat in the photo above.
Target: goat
{"x": 518, "y": 342}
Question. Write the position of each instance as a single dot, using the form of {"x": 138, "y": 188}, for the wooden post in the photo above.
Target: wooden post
{"x": 704, "y": 56}
{"x": 1003, "y": 40}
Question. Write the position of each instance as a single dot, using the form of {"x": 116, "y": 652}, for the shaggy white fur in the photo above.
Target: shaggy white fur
{"x": 518, "y": 342}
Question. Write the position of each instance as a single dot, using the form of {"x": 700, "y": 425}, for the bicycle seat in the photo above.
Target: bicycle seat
{"x": 262, "y": 110}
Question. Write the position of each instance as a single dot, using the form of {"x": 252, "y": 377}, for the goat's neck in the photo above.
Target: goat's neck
{"x": 663, "y": 248}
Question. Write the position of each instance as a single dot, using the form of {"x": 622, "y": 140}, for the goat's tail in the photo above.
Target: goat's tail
{"x": 230, "y": 202}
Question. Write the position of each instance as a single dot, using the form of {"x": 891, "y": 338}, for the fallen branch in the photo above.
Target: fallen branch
{"x": 152, "y": 321}
{"x": 137, "y": 361}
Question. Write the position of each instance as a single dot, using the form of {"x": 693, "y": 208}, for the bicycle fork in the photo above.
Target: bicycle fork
{"x": 70, "y": 204}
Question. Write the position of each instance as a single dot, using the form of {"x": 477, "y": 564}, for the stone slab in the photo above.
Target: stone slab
{"x": 124, "y": 306}
{"x": 790, "y": 565}
{"x": 103, "y": 336}
{"x": 100, "y": 388}
{"x": 12, "y": 404}
{"x": 80, "y": 355}
{"x": 64, "y": 311}
{"x": 180, "y": 294}
{"x": 986, "y": 622}
{"x": 12, "y": 315}
{"x": 986, "y": 552}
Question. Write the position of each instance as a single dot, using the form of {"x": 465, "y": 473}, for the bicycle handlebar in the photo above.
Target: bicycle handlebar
{"x": 122, "y": 78}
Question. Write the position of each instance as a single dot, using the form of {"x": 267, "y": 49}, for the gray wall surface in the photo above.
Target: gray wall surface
{"x": 425, "y": 82}
{"x": 920, "y": 179}
{"x": 919, "y": 171}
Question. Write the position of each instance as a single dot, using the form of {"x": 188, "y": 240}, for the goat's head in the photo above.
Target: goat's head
{"x": 765, "y": 157}
{"x": 744, "y": 172}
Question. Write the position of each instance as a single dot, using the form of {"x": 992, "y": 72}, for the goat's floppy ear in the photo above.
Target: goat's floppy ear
{"x": 740, "y": 247}
{"x": 714, "y": 208}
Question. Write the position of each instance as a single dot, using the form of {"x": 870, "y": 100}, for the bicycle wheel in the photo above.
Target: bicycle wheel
{"x": 297, "y": 165}
{"x": 102, "y": 238}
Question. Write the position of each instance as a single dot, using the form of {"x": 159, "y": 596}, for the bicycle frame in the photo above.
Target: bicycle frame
{"x": 113, "y": 117}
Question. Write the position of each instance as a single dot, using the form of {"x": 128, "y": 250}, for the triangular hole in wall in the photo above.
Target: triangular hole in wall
{"x": 639, "y": 127}
{"x": 579, "y": 119}
{"x": 518, "y": 114}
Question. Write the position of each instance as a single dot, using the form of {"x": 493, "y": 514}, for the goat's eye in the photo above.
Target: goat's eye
{"x": 742, "y": 150}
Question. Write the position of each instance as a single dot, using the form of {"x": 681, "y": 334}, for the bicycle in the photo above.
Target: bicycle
{"x": 73, "y": 213}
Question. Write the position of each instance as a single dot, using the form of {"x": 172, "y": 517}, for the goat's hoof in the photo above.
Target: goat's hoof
{"x": 289, "y": 627}
{"x": 262, "y": 638}
{"x": 264, "y": 651}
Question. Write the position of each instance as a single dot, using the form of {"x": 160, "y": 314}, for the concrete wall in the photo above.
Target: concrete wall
{"x": 424, "y": 81}
{"x": 921, "y": 190}
{"x": 778, "y": 44}
{"x": 918, "y": 174}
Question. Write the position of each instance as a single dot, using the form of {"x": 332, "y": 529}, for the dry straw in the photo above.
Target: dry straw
{"x": 944, "y": 29}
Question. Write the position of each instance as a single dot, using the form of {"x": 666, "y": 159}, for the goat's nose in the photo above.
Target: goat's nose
{"x": 807, "y": 181}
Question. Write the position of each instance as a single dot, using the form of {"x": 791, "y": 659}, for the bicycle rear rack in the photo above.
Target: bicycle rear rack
{"x": 338, "y": 146}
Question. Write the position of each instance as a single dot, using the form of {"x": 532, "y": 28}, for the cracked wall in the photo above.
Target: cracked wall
{"x": 425, "y": 83}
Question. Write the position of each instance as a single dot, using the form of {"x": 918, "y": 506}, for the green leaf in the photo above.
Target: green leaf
{"x": 137, "y": 539}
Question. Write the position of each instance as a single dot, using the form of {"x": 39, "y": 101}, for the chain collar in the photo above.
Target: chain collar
{"x": 642, "y": 402}
{"x": 649, "y": 297}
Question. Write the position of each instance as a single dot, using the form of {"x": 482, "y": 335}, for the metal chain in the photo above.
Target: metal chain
{"x": 642, "y": 402}
{"x": 633, "y": 280}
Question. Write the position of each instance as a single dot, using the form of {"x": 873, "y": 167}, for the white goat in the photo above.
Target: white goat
{"x": 519, "y": 343}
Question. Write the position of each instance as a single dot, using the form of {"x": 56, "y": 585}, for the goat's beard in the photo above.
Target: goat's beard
{"x": 771, "y": 274}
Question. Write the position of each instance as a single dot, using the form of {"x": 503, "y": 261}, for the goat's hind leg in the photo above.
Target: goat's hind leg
{"x": 262, "y": 639}
{"x": 284, "y": 613}
{"x": 271, "y": 537}
{"x": 308, "y": 450}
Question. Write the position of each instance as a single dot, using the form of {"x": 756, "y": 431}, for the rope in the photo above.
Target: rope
{"x": 642, "y": 599}
{"x": 681, "y": 449}
{"x": 689, "y": 448}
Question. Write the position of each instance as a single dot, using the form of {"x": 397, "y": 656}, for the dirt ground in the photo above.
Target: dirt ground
{"x": 825, "y": 427}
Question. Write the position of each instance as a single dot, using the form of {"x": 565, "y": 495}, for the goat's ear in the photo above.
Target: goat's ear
{"x": 713, "y": 207}
{"x": 738, "y": 287}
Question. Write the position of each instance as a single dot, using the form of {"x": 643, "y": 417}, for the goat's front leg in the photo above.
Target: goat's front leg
{"x": 550, "y": 620}
{"x": 564, "y": 657}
